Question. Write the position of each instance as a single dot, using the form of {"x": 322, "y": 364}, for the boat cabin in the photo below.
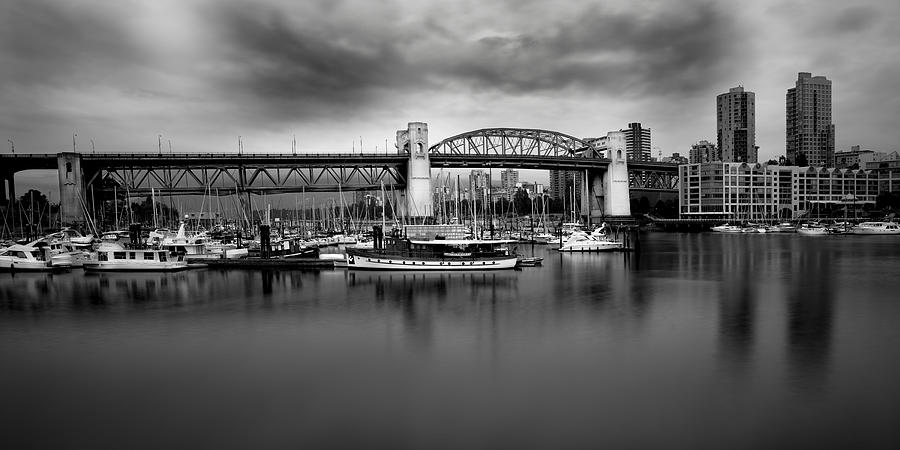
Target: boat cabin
{"x": 137, "y": 255}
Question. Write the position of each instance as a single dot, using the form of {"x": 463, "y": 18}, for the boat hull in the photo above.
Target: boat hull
{"x": 117, "y": 266}
{"x": 31, "y": 266}
{"x": 591, "y": 247}
{"x": 871, "y": 231}
{"x": 374, "y": 262}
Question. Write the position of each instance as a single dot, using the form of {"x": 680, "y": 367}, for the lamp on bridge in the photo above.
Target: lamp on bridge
{"x": 12, "y": 146}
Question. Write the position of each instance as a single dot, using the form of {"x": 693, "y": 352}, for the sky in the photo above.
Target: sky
{"x": 340, "y": 75}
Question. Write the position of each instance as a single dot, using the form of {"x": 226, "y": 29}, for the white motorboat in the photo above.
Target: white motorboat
{"x": 726, "y": 228}
{"x": 59, "y": 249}
{"x": 116, "y": 258}
{"x": 438, "y": 254}
{"x": 76, "y": 238}
{"x": 784, "y": 227}
{"x": 812, "y": 230}
{"x": 580, "y": 241}
{"x": 876, "y": 228}
{"x": 26, "y": 257}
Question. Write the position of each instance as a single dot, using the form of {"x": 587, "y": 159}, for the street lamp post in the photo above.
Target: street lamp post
{"x": 12, "y": 146}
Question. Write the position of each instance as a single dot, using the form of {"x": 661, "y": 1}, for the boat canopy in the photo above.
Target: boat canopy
{"x": 463, "y": 242}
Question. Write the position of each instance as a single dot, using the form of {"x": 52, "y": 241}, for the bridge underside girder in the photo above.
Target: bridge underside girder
{"x": 253, "y": 179}
{"x": 653, "y": 180}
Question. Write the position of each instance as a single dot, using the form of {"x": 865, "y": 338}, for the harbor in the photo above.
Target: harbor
{"x": 707, "y": 316}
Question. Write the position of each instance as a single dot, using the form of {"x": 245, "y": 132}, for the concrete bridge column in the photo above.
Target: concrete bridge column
{"x": 417, "y": 203}
{"x": 605, "y": 194}
{"x": 71, "y": 188}
{"x": 4, "y": 200}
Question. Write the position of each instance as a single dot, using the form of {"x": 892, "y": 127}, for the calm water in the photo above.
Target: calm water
{"x": 698, "y": 341}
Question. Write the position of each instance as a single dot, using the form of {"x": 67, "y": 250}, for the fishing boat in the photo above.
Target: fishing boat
{"x": 437, "y": 254}
{"x": 580, "y": 241}
{"x": 876, "y": 228}
{"x": 27, "y": 257}
{"x": 116, "y": 258}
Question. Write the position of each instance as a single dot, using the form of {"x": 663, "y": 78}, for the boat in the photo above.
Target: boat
{"x": 74, "y": 236}
{"x": 530, "y": 261}
{"x": 27, "y": 257}
{"x": 813, "y": 229}
{"x": 199, "y": 247}
{"x": 726, "y": 228}
{"x": 784, "y": 227}
{"x": 59, "y": 249}
{"x": 116, "y": 258}
{"x": 437, "y": 254}
{"x": 876, "y": 228}
{"x": 580, "y": 241}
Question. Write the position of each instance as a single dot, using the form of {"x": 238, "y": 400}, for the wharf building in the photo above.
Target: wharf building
{"x": 736, "y": 125}
{"x": 704, "y": 152}
{"x": 752, "y": 191}
{"x": 809, "y": 128}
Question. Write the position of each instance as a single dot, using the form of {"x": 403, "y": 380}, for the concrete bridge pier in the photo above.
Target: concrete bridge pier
{"x": 605, "y": 194}
{"x": 417, "y": 203}
{"x": 7, "y": 177}
{"x": 71, "y": 188}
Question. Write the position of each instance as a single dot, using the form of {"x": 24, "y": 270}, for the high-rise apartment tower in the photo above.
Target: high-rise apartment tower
{"x": 736, "y": 125}
{"x": 810, "y": 131}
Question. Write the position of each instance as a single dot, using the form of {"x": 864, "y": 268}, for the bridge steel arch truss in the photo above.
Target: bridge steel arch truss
{"x": 515, "y": 142}
{"x": 339, "y": 172}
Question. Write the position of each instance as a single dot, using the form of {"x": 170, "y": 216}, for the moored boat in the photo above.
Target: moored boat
{"x": 26, "y": 257}
{"x": 808, "y": 229}
{"x": 876, "y": 228}
{"x": 438, "y": 254}
{"x": 116, "y": 258}
{"x": 580, "y": 241}
{"x": 726, "y": 228}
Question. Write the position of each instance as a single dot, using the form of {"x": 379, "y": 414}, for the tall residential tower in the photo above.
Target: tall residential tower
{"x": 810, "y": 131}
{"x": 736, "y": 125}
{"x": 637, "y": 142}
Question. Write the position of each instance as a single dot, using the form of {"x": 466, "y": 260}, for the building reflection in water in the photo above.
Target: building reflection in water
{"x": 809, "y": 321}
{"x": 739, "y": 267}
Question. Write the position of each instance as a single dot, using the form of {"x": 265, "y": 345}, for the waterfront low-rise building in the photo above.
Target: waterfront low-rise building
{"x": 744, "y": 191}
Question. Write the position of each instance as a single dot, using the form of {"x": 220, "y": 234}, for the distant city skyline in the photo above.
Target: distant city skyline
{"x": 199, "y": 74}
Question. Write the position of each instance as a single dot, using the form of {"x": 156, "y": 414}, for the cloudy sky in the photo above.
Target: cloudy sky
{"x": 332, "y": 72}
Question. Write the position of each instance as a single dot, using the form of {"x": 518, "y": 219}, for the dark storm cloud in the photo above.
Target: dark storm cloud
{"x": 673, "y": 51}
{"x": 292, "y": 65}
{"x": 282, "y": 62}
